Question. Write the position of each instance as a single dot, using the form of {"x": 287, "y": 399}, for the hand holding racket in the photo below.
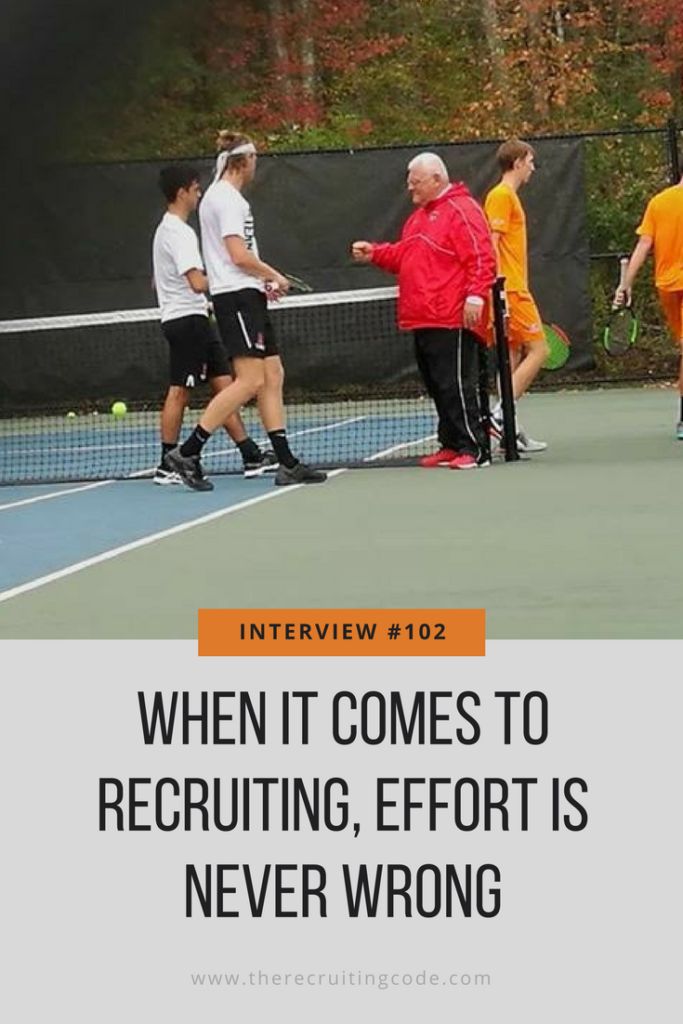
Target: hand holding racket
{"x": 621, "y": 330}
{"x": 283, "y": 284}
{"x": 622, "y": 296}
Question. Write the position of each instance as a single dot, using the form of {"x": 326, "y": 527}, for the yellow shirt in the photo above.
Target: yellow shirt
{"x": 663, "y": 223}
{"x": 506, "y": 217}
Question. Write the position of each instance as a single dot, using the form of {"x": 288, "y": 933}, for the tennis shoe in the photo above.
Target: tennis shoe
{"x": 443, "y": 457}
{"x": 299, "y": 473}
{"x": 679, "y": 430}
{"x": 467, "y": 461}
{"x": 189, "y": 468}
{"x": 267, "y": 463}
{"x": 164, "y": 476}
{"x": 527, "y": 445}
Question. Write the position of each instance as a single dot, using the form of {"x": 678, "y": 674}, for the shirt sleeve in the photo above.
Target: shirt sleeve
{"x": 498, "y": 209}
{"x": 647, "y": 225}
{"x": 232, "y": 217}
{"x": 185, "y": 252}
{"x": 387, "y": 255}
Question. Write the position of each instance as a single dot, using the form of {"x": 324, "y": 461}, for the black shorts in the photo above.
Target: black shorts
{"x": 244, "y": 324}
{"x": 197, "y": 354}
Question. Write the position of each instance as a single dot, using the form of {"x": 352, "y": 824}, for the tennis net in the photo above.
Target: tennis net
{"x": 352, "y": 391}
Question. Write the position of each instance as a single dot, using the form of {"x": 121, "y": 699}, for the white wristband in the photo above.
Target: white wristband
{"x": 476, "y": 300}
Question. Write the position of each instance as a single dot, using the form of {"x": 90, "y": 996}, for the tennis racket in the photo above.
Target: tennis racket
{"x": 297, "y": 285}
{"x": 621, "y": 329}
{"x": 558, "y": 347}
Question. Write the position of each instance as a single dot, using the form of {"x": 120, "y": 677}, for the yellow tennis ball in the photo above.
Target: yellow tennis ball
{"x": 119, "y": 409}
{"x": 71, "y": 415}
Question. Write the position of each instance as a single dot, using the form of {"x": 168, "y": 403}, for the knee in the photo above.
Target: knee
{"x": 537, "y": 353}
{"x": 220, "y": 383}
{"x": 177, "y": 395}
{"x": 255, "y": 380}
{"x": 274, "y": 373}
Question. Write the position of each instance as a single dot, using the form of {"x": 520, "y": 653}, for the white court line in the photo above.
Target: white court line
{"x": 397, "y": 447}
{"x": 105, "y": 556}
{"x": 54, "y": 494}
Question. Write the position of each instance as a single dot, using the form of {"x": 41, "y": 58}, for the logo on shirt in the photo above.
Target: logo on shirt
{"x": 249, "y": 231}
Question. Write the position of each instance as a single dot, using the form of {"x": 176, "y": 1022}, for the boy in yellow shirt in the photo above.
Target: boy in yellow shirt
{"x": 662, "y": 228}
{"x": 505, "y": 214}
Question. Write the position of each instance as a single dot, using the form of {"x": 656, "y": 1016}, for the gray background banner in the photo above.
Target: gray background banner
{"x": 96, "y": 923}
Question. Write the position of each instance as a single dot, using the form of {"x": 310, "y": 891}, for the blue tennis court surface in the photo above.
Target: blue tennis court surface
{"x": 44, "y": 529}
{"x": 98, "y": 447}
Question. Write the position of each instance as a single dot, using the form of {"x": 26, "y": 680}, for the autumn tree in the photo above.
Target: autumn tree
{"x": 285, "y": 55}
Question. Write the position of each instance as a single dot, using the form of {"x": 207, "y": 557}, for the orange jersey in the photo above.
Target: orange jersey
{"x": 663, "y": 223}
{"x": 506, "y": 218}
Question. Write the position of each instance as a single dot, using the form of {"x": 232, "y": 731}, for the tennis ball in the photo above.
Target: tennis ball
{"x": 119, "y": 409}
{"x": 71, "y": 415}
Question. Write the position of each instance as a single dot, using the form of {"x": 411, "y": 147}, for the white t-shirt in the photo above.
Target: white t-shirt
{"x": 224, "y": 211}
{"x": 175, "y": 250}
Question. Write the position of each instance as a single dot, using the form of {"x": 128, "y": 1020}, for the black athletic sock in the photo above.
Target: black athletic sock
{"x": 195, "y": 442}
{"x": 249, "y": 450}
{"x": 166, "y": 447}
{"x": 278, "y": 439}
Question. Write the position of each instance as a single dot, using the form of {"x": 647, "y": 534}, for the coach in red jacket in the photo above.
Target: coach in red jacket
{"x": 446, "y": 265}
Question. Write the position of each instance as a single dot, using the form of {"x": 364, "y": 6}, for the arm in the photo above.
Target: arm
{"x": 188, "y": 262}
{"x": 245, "y": 259}
{"x": 386, "y": 255}
{"x": 498, "y": 213}
{"x": 475, "y": 248}
{"x": 638, "y": 257}
{"x": 197, "y": 280}
{"x": 495, "y": 238}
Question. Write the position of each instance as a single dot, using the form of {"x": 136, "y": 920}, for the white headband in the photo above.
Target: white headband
{"x": 245, "y": 149}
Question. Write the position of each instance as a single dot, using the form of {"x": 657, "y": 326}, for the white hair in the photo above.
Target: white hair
{"x": 431, "y": 163}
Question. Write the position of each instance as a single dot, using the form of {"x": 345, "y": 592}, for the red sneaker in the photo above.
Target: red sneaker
{"x": 443, "y": 457}
{"x": 463, "y": 462}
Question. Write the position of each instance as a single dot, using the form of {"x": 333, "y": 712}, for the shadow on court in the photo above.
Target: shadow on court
{"x": 581, "y": 542}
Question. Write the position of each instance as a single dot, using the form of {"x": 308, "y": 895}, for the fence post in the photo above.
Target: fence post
{"x": 504, "y": 373}
{"x": 674, "y": 158}
{"x": 484, "y": 404}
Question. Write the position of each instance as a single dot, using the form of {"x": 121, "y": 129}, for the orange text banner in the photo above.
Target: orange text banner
{"x": 444, "y": 632}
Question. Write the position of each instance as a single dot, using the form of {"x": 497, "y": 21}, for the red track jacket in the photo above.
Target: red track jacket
{"x": 445, "y": 255}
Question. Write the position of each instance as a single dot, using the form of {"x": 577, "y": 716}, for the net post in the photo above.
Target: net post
{"x": 504, "y": 372}
{"x": 484, "y": 403}
{"x": 674, "y": 157}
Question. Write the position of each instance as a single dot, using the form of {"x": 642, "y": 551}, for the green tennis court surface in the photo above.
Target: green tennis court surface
{"x": 581, "y": 542}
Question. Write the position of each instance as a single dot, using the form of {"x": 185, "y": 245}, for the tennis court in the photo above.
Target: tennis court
{"x": 580, "y": 542}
